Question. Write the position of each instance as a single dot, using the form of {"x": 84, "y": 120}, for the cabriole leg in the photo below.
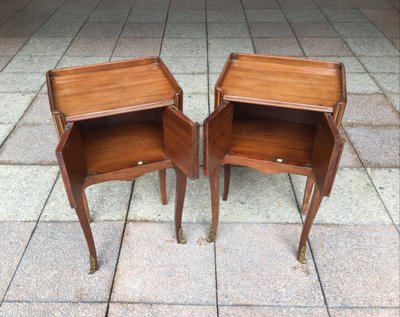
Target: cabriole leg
{"x": 163, "y": 186}
{"x": 227, "y": 179}
{"x": 179, "y": 201}
{"x": 214, "y": 186}
{"x": 307, "y": 195}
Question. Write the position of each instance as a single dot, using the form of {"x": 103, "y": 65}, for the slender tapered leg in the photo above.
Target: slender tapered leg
{"x": 86, "y": 206}
{"x": 227, "y": 179}
{"x": 214, "y": 186}
{"x": 82, "y": 212}
{"x": 307, "y": 195}
{"x": 312, "y": 212}
{"x": 163, "y": 186}
{"x": 179, "y": 201}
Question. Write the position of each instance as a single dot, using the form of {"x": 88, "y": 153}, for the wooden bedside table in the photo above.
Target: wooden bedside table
{"x": 119, "y": 121}
{"x": 277, "y": 115}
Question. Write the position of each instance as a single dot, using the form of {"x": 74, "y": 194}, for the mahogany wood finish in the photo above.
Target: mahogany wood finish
{"x": 277, "y": 115}
{"x": 119, "y": 121}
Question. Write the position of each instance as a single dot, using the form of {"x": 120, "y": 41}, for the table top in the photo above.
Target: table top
{"x": 282, "y": 81}
{"x": 111, "y": 88}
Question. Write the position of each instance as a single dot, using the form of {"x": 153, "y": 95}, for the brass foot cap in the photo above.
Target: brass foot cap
{"x": 181, "y": 239}
{"x": 93, "y": 265}
{"x": 211, "y": 235}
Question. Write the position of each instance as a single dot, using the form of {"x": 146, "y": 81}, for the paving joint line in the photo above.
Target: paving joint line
{"x": 165, "y": 28}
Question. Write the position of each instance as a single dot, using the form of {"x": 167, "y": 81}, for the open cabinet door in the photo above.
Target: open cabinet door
{"x": 217, "y": 136}
{"x": 327, "y": 150}
{"x": 181, "y": 141}
{"x": 72, "y": 162}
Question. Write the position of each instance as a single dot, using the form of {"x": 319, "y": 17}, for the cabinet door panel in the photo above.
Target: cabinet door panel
{"x": 326, "y": 153}
{"x": 217, "y": 136}
{"x": 181, "y": 141}
{"x": 72, "y": 164}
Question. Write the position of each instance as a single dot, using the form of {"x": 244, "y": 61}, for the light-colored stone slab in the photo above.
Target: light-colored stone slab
{"x": 193, "y": 83}
{"x": 5, "y": 130}
{"x": 222, "y": 30}
{"x": 24, "y": 191}
{"x": 224, "y": 46}
{"x": 70, "y": 61}
{"x": 38, "y": 112}
{"x": 32, "y": 64}
{"x": 13, "y": 106}
{"x": 154, "y": 268}
{"x": 252, "y": 311}
{"x": 185, "y": 30}
{"x": 21, "y": 82}
{"x": 381, "y": 64}
{"x": 14, "y": 237}
{"x": 195, "y": 106}
{"x": 361, "y": 84}
{"x": 54, "y": 267}
{"x": 92, "y": 47}
{"x": 353, "y": 200}
{"x": 253, "y": 197}
{"x": 46, "y": 46}
{"x": 257, "y": 265}
{"x": 390, "y": 83}
{"x": 364, "y": 312}
{"x": 372, "y": 47}
{"x": 122, "y": 310}
{"x": 107, "y": 201}
{"x": 193, "y": 16}
{"x": 186, "y": 65}
{"x": 53, "y": 309}
{"x": 387, "y": 183}
{"x": 184, "y": 48}
{"x": 358, "y": 265}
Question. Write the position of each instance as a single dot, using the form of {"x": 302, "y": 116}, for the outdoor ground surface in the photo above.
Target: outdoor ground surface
{"x": 251, "y": 270}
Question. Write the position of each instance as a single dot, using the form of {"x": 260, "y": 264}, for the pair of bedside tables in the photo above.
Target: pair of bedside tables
{"x": 121, "y": 120}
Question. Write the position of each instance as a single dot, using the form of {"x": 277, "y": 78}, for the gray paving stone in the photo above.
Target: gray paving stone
{"x": 223, "y": 4}
{"x": 369, "y": 110}
{"x": 250, "y": 311}
{"x": 226, "y": 16}
{"x": 376, "y": 146}
{"x": 69, "y": 61}
{"x": 107, "y": 15}
{"x": 154, "y": 4}
{"x": 349, "y": 155}
{"x": 38, "y": 112}
{"x": 66, "y": 15}
{"x": 4, "y": 61}
{"x": 304, "y": 15}
{"x": 372, "y": 47}
{"x": 151, "y": 263}
{"x": 192, "y": 16}
{"x": 260, "y": 4}
{"x": 32, "y": 64}
{"x": 188, "y": 4}
{"x": 121, "y": 310}
{"x": 91, "y": 47}
{"x": 144, "y": 15}
{"x": 277, "y": 46}
{"x": 193, "y": 83}
{"x": 381, "y": 15}
{"x": 26, "y": 15}
{"x": 324, "y": 46}
{"x": 184, "y": 48}
{"x": 386, "y": 182}
{"x": 357, "y": 29}
{"x": 5, "y": 130}
{"x": 390, "y": 83}
{"x": 11, "y": 45}
{"x": 270, "y": 29}
{"x": 297, "y": 4}
{"x": 185, "y": 30}
{"x": 54, "y": 267}
{"x": 353, "y": 200}
{"x": 21, "y": 82}
{"x": 222, "y": 30}
{"x": 13, "y": 106}
{"x": 364, "y": 312}
{"x": 344, "y": 15}
{"x": 389, "y": 29}
{"x": 107, "y": 201}
{"x": 140, "y": 29}
{"x": 195, "y": 106}
{"x": 186, "y": 65}
{"x": 46, "y": 46}
{"x": 18, "y": 29}
{"x": 349, "y": 270}
{"x": 381, "y": 64}
{"x": 367, "y": 4}
{"x": 351, "y": 64}
{"x": 59, "y": 28}
{"x": 216, "y": 64}
{"x": 224, "y": 46}
{"x": 101, "y": 29}
{"x": 14, "y": 238}
{"x": 313, "y": 29}
{"x": 257, "y": 265}
{"x": 395, "y": 100}
{"x": 361, "y": 84}
{"x": 30, "y": 144}
{"x": 138, "y": 47}
{"x": 338, "y": 4}
{"x": 24, "y": 191}
{"x": 53, "y": 309}
{"x": 269, "y": 15}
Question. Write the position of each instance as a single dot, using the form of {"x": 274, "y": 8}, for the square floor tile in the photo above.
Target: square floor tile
{"x": 24, "y": 191}
{"x": 324, "y": 47}
{"x": 376, "y": 146}
{"x": 101, "y": 29}
{"x": 358, "y": 265}
{"x": 14, "y": 237}
{"x": 215, "y": 65}
{"x": 364, "y": 312}
{"x": 154, "y": 4}
{"x": 297, "y": 4}
{"x": 340, "y": 4}
{"x": 386, "y": 182}
{"x": 260, "y": 4}
{"x": 32, "y": 64}
{"x": 138, "y": 47}
{"x": 278, "y": 46}
{"x": 21, "y": 82}
{"x": 185, "y": 30}
{"x": 52, "y": 309}
{"x": 69, "y": 15}
{"x": 145, "y": 15}
{"x": 226, "y": 16}
{"x": 152, "y": 261}
{"x": 11, "y": 45}
{"x": 121, "y": 310}
{"x": 357, "y": 29}
{"x": 372, "y": 47}
{"x": 18, "y": 29}
{"x": 381, "y": 64}
{"x": 30, "y": 144}
{"x": 313, "y": 29}
{"x": 218, "y": 30}
{"x": 270, "y": 15}
{"x": 70, "y": 61}
{"x": 349, "y": 156}
{"x": 390, "y": 83}
{"x": 46, "y": 46}
{"x": 140, "y": 29}
{"x": 270, "y": 29}
{"x": 389, "y": 29}
{"x": 4, "y": 61}
{"x": 13, "y": 106}
{"x": 91, "y": 47}
{"x": 5, "y": 130}
{"x": 107, "y": 201}
{"x": 257, "y": 265}
{"x": 381, "y": 15}
{"x": 184, "y": 48}
{"x": 344, "y": 15}
{"x": 106, "y": 15}
{"x": 195, "y": 106}
{"x": 54, "y": 267}
{"x": 251, "y": 311}
{"x": 361, "y": 84}
{"x": 188, "y": 4}
{"x": 369, "y": 110}
{"x": 186, "y": 65}
{"x": 353, "y": 199}
{"x": 38, "y": 112}
{"x": 26, "y": 15}
{"x": 224, "y": 46}
{"x": 192, "y": 16}
{"x": 223, "y": 4}
{"x": 395, "y": 100}
{"x": 59, "y": 29}
{"x": 305, "y": 15}
{"x": 193, "y": 83}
